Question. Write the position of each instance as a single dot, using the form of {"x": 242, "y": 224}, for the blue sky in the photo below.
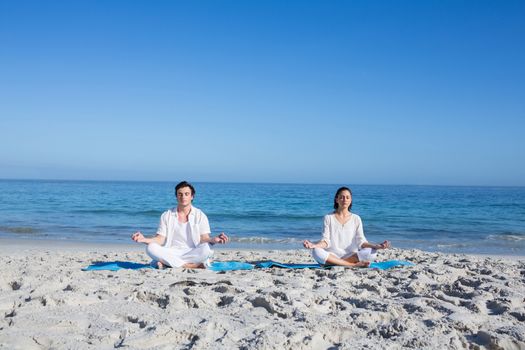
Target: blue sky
{"x": 353, "y": 92}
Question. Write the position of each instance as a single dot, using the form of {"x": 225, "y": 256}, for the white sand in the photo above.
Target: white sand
{"x": 445, "y": 301}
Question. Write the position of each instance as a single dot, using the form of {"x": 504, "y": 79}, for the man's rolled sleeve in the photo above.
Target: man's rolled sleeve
{"x": 162, "y": 230}
{"x": 204, "y": 225}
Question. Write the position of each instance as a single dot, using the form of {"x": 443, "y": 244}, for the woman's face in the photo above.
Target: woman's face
{"x": 184, "y": 196}
{"x": 344, "y": 199}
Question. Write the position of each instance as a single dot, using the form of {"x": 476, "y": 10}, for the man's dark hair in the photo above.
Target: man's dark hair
{"x": 184, "y": 184}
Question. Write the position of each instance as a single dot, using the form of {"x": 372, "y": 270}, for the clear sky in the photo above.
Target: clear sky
{"x": 352, "y": 92}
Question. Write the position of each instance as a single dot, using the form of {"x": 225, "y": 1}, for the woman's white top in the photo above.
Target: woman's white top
{"x": 343, "y": 239}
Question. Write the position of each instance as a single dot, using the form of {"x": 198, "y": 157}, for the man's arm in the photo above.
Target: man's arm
{"x": 222, "y": 238}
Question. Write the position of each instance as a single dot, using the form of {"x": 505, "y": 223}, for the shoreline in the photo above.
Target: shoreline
{"x": 462, "y": 301}
{"x": 8, "y": 244}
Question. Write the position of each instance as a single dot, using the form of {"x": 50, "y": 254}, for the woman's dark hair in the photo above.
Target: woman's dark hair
{"x": 341, "y": 189}
{"x": 184, "y": 184}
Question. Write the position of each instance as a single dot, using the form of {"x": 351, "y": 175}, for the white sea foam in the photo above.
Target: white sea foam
{"x": 453, "y": 245}
{"x": 507, "y": 237}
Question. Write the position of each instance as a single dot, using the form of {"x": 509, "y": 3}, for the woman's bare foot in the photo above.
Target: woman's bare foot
{"x": 362, "y": 264}
{"x": 160, "y": 265}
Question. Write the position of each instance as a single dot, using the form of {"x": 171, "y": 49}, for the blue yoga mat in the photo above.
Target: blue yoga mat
{"x": 271, "y": 263}
{"x": 116, "y": 265}
{"x": 383, "y": 265}
{"x": 119, "y": 265}
{"x": 237, "y": 265}
{"x": 230, "y": 266}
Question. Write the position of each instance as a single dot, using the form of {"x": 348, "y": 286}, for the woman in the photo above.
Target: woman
{"x": 183, "y": 236}
{"x": 343, "y": 242}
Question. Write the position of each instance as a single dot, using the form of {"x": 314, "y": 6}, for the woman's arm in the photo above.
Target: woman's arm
{"x": 320, "y": 244}
{"x": 324, "y": 242}
{"x": 139, "y": 238}
{"x": 384, "y": 245}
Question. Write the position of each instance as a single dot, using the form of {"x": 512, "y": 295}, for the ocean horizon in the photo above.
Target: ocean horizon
{"x": 30, "y": 179}
{"x": 450, "y": 219}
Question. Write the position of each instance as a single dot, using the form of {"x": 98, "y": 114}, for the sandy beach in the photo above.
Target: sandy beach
{"x": 445, "y": 301}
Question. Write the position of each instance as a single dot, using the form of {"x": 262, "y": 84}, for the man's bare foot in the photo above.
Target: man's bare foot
{"x": 160, "y": 265}
{"x": 193, "y": 266}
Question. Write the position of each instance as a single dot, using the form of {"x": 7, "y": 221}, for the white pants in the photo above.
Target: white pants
{"x": 321, "y": 255}
{"x": 176, "y": 257}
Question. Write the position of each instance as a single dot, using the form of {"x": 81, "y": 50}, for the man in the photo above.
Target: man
{"x": 183, "y": 237}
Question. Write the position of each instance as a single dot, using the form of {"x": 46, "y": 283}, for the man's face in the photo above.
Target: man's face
{"x": 184, "y": 196}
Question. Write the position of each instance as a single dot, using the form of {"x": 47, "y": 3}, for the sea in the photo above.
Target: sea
{"x": 450, "y": 219}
